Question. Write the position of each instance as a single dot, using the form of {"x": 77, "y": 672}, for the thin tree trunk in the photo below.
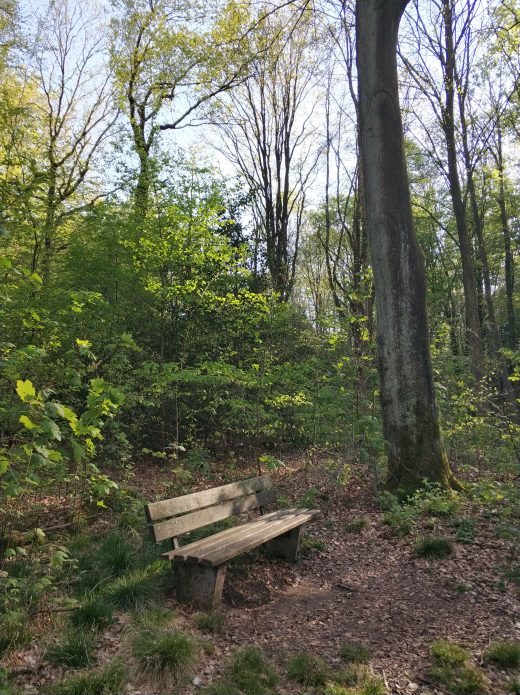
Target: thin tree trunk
{"x": 410, "y": 419}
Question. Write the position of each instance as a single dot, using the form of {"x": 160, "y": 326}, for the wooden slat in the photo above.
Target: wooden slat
{"x": 226, "y": 536}
{"x": 198, "y": 500}
{"x": 248, "y": 537}
{"x": 182, "y": 524}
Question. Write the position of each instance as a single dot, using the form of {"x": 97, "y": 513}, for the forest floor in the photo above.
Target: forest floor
{"x": 357, "y": 581}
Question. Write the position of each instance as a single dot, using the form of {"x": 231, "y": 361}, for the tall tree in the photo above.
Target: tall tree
{"x": 410, "y": 419}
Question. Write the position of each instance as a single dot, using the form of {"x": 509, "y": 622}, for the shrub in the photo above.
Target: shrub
{"x": 75, "y": 650}
{"x": 504, "y": 654}
{"x": 308, "y": 669}
{"x": 434, "y": 548}
{"x": 95, "y": 613}
{"x": 108, "y": 681}
{"x": 448, "y": 653}
{"x": 355, "y": 653}
{"x": 165, "y": 656}
{"x": 211, "y": 622}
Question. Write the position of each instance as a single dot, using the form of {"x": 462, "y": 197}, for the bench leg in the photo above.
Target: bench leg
{"x": 286, "y": 546}
{"x": 199, "y": 585}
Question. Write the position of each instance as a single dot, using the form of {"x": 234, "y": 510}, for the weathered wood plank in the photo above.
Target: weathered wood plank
{"x": 220, "y": 549}
{"x": 182, "y": 524}
{"x": 197, "y": 500}
{"x": 271, "y": 530}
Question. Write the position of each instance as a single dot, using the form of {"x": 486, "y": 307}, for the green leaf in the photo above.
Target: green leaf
{"x": 27, "y": 422}
{"x": 51, "y": 428}
{"x": 78, "y": 452}
{"x": 4, "y": 464}
{"x": 25, "y": 390}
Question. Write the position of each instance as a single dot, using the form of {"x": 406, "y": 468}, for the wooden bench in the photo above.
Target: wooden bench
{"x": 199, "y": 568}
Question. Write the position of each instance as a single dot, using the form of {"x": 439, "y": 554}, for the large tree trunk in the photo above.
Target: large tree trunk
{"x": 410, "y": 418}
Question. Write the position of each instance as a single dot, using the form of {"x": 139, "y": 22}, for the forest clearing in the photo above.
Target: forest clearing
{"x": 259, "y": 360}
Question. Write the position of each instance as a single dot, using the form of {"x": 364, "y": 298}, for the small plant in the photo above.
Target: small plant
{"x": 75, "y": 650}
{"x": 251, "y": 673}
{"x": 448, "y": 653}
{"x": 369, "y": 685}
{"x": 310, "y": 543}
{"x": 308, "y": 669}
{"x": 152, "y": 617}
{"x": 460, "y": 680}
{"x": 95, "y": 613}
{"x": 167, "y": 657}
{"x": 134, "y": 590}
{"x": 212, "y": 622}
{"x": 465, "y": 530}
{"x": 434, "y": 548}
{"x": 116, "y": 555}
{"x": 504, "y": 654}
{"x": 514, "y": 686}
{"x": 14, "y": 631}
{"x": 108, "y": 681}
{"x": 356, "y": 525}
{"x": 309, "y": 499}
{"x": 513, "y": 574}
{"x": 354, "y": 653}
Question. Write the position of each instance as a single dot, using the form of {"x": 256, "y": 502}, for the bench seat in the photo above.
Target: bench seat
{"x": 224, "y": 546}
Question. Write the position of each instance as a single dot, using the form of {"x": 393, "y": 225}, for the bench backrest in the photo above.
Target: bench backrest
{"x": 172, "y": 518}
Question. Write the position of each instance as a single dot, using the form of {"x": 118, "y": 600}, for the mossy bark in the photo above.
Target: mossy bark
{"x": 410, "y": 418}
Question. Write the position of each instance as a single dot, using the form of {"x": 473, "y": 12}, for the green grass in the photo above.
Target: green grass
{"x": 370, "y": 685}
{"x": 356, "y": 525}
{"x": 95, "y": 613}
{"x": 211, "y": 622}
{"x": 310, "y": 543}
{"x": 460, "y": 680}
{"x": 448, "y": 653}
{"x": 434, "y": 548}
{"x": 308, "y": 669}
{"x": 354, "y": 653}
{"x": 75, "y": 650}
{"x": 164, "y": 656}
{"x": 135, "y": 589}
{"x": 152, "y": 617}
{"x": 504, "y": 654}
{"x": 248, "y": 673}
{"x": 514, "y": 686}
{"x": 465, "y": 530}
{"x": 108, "y": 681}
{"x": 513, "y": 574}
{"x": 14, "y": 631}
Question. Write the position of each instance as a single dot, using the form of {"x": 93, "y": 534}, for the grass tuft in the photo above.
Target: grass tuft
{"x": 370, "y": 685}
{"x": 14, "y": 631}
{"x": 448, "y": 653}
{"x": 108, "y": 681}
{"x": 211, "y": 622}
{"x": 356, "y": 525}
{"x": 504, "y": 654}
{"x": 434, "y": 548}
{"x": 152, "y": 617}
{"x": 354, "y": 653}
{"x": 460, "y": 680}
{"x": 165, "y": 656}
{"x": 95, "y": 613}
{"x": 75, "y": 650}
{"x": 308, "y": 669}
{"x": 514, "y": 686}
{"x": 135, "y": 589}
{"x": 251, "y": 673}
